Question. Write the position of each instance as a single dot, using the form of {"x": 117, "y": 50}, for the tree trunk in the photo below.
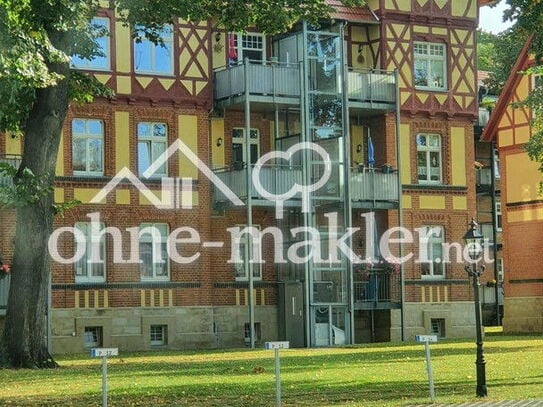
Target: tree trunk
{"x": 25, "y": 331}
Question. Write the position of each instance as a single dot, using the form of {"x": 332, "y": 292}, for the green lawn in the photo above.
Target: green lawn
{"x": 370, "y": 375}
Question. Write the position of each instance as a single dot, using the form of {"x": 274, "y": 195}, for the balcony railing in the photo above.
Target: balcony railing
{"x": 271, "y": 79}
{"x": 275, "y": 179}
{"x": 374, "y": 185}
{"x": 377, "y": 287}
{"x": 371, "y": 86}
{"x": 4, "y": 291}
{"x": 13, "y": 160}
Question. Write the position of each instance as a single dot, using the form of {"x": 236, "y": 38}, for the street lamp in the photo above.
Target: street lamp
{"x": 474, "y": 245}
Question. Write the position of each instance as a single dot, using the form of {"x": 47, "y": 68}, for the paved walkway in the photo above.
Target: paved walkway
{"x": 524, "y": 403}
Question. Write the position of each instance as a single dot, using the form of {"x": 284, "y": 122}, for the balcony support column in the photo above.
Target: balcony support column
{"x": 400, "y": 209}
{"x": 248, "y": 169}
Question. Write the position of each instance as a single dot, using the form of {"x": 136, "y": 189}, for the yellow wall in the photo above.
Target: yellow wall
{"x": 13, "y": 144}
{"x": 122, "y": 140}
{"x": 122, "y": 48}
{"x": 431, "y": 202}
{"x": 85, "y": 195}
{"x": 60, "y": 158}
{"x": 187, "y": 131}
{"x": 522, "y": 178}
{"x": 458, "y": 156}
{"x": 217, "y": 152}
{"x": 525, "y": 215}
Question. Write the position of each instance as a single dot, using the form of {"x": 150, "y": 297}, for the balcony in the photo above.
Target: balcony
{"x": 484, "y": 117}
{"x": 4, "y": 291}
{"x": 372, "y": 188}
{"x": 275, "y": 179}
{"x": 377, "y": 289}
{"x": 269, "y": 82}
{"x": 13, "y": 160}
{"x": 280, "y": 83}
{"x": 371, "y": 90}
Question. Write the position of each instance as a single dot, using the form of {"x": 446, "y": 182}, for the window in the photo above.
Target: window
{"x": 152, "y": 140}
{"x": 498, "y": 213}
{"x": 496, "y": 164}
{"x": 153, "y": 251}
{"x": 434, "y": 268}
{"x": 251, "y": 46}
{"x": 241, "y": 251}
{"x": 92, "y": 336}
{"x": 487, "y": 232}
{"x": 100, "y": 25}
{"x": 500, "y": 269}
{"x": 438, "y": 327}
{"x": 87, "y": 147}
{"x": 257, "y": 331}
{"x": 430, "y": 65}
{"x": 429, "y": 158}
{"x": 158, "y": 335}
{"x": 155, "y": 59}
{"x": 238, "y": 146}
{"x": 91, "y": 266}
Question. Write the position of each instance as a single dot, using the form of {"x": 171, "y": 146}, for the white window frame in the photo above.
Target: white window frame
{"x": 151, "y": 140}
{"x": 496, "y": 163}
{"x": 498, "y": 215}
{"x": 242, "y": 251}
{"x": 155, "y": 246}
{"x": 168, "y": 41}
{"x": 86, "y": 64}
{"x": 91, "y": 241}
{"x": 427, "y": 57}
{"x": 158, "y": 335}
{"x": 499, "y": 266}
{"x": 428, "y": 150}
{"x": 243, "y": 43}
{"x": 241, "y": 140}
{"x": 94, "y": 332}
{"x": 432, "y": 241}
{"x": 87, "y": 136}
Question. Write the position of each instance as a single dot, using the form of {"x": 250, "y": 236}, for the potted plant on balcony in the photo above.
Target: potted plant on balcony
{"x": 4, "y": 270}
{"x": 386, "y": 168}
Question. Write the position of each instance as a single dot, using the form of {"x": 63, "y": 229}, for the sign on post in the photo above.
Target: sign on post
{"x": 104, "y": 353}
{"x": 427, "y": 339}
{"x": 276, "y": 346}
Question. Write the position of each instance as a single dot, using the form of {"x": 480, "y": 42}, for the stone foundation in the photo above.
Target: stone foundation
{"x": 187, "y": 327}
{"x": 523, "y": 315}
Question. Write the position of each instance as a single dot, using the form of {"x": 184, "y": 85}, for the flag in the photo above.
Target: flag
{"x": 371, "y": 153}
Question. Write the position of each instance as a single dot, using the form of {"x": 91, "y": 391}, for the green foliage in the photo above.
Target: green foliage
{"x": 25, "y": 189}
{"x": 485, "y": 51}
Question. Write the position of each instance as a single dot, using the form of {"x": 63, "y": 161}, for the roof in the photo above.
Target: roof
{"x": 487, "y": 2}
{"x": 489, "y": 132}
{"x": 353, "y": 14}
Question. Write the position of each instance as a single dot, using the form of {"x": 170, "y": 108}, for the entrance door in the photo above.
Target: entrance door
{"x": 293, "y": 314}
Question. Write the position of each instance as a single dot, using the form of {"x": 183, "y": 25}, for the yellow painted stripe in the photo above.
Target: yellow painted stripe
{"x": 262, "y": 297}
{"x": 96, "y": 299}
{"x": 237, "y": 297}
{"x": 431, "y": 292}
{"x": 152, "y": 300}
{"x": 142, "y": 298}
{"x": 446, "y": 292}
{"x": 161, "y": 298}
{"x": 246, "y": 295}
{"x": 122, "y": 143}
{"x": 458, "y": 156}
{"x": 187, "y": 130}
{"x": 106, "y": 299}
{"x": 170, "y": 298}
{"x": 422, "y": 294}
{"x": 76, "y": 299}
{"x": 86, "y": 299}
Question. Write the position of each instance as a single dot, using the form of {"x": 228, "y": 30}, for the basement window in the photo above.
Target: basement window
{"x": 158, "y": 335}
{"x": 438, "y": 327}
{"x": 92, "y": 336}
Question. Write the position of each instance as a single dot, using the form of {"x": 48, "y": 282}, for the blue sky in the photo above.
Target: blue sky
{"x": 490, "y": 18}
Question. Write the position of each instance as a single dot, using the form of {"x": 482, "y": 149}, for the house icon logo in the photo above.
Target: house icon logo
{"x": 172, "y": 189}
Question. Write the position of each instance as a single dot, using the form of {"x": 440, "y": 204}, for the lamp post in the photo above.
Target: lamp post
{"x": 474, "y": 241}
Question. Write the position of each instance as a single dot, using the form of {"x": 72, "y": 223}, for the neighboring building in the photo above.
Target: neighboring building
{"x": 522, "y": 206}
{"x": 487, "y": 178}
{"x": 231, "y": 98}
